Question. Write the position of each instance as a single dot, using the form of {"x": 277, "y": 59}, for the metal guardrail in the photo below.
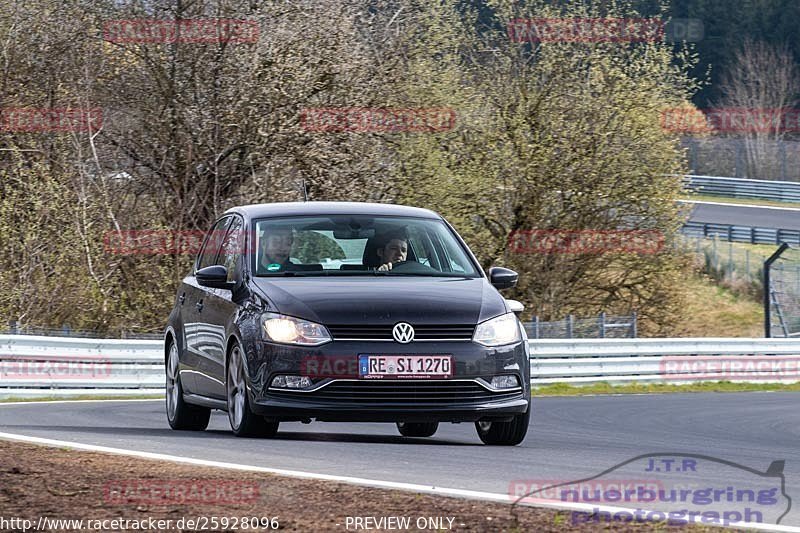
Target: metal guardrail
{"x": 32, "y": 366}
{"x": 686, "y": 360}
{"x": 781, "y": 191}
{"x": 56, "y": 366}
{"x": 734, "y": 233}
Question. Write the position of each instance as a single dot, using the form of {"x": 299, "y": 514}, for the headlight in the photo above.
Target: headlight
{"x": 290, "y": 330}
{"x": 498, "y": 331}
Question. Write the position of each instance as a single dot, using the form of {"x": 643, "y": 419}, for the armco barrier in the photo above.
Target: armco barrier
{"x": 655, "y": 360}
{"x": 733, "y": 233}
{"x": 32, "y": 366}
{"x": 781, "y": 191}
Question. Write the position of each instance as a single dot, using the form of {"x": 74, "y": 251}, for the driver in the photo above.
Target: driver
{"x": 395, "y": 250}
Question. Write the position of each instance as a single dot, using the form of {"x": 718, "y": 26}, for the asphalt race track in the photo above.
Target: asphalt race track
{"x": 760, "y": 217}
{"x": 570, "y": 439}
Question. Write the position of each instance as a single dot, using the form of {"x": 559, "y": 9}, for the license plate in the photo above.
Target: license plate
{"x": 405, "y": 366}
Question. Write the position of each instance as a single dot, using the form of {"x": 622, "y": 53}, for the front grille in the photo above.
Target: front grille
{"x": 459, "y": 332}
{"x": 398, "y": 392}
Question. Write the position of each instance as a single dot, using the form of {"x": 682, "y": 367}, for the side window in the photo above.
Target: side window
{"x": 231, "y": 250}
{"x": 450, "y": 252}
{"x": 208, "y": 253}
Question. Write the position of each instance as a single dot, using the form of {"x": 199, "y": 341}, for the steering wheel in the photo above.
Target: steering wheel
{"x": 410, "y": 267}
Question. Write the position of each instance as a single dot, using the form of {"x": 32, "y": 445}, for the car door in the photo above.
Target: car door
{"x": 218, "y": 312}
{"x": 192, "y": 301}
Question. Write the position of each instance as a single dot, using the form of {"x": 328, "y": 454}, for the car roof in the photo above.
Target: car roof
{"x": 330, "y": 208}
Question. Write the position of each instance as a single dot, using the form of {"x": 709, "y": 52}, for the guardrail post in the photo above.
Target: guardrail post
{"x": 730, "y": 258}
{"x": 634, "y": 327}
{"x": 767, "y": 294}
{"x": 569, "y": 326}
{"x": 747, "y": 263}
{"x": 602, "y": 324}
{"x": 737, "y": 172}
{"x": 535, "y": 326}
{"x": 782, "y": 151}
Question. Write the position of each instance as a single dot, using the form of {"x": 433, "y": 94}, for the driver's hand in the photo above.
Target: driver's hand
{"x": 387, "y": 266}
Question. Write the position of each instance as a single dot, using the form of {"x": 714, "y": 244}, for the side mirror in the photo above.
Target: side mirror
{"x": 214, "y": 276}
{"x": 502, "y": 278}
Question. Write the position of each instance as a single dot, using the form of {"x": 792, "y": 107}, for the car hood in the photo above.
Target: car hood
{"x": 383, "y": 300}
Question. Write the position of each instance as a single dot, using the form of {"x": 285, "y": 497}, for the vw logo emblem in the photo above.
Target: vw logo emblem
{"x": 403, "y": 332}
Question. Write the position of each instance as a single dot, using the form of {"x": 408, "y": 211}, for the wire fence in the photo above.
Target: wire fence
{"x": 739, "y": 266}
{"x": 785, "y": 295}
{"x": 741, "y": 158}
{"x": 603, "y": 326}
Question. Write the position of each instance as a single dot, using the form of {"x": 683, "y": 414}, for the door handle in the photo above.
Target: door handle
{"x": 182, "y": 298}
{"x": 199, "y": 305}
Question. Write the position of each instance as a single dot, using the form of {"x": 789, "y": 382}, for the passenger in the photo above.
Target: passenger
{"x": 276, "y": 245}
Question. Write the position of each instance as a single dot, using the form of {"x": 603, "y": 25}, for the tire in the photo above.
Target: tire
{"x": 504, "y": 433}
{"x": 244, "y": 422}
{"x": 417, "y": 429}
{"x": 181, "y": 415}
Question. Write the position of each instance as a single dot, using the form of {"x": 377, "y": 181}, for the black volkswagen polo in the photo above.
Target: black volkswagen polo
{"x": 336, "y": 311}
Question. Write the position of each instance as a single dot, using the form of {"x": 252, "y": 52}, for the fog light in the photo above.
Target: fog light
{"x": 291, "y": 382}
{"x": 505, "y": 382}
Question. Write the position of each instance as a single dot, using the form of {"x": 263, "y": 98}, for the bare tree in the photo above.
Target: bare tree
{"x": 762, "y": 86}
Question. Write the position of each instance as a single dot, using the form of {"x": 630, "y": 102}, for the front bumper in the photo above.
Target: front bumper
{"x": 393, "y": 400}
{"x": 342, "y": 396}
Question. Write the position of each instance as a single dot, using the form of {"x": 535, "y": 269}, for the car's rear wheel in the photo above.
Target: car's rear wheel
{"x": 508, "y": 433}
{"x": 417, "y": 429}
{"x": 244, "y": 422}
{"x": 181, "y": 415}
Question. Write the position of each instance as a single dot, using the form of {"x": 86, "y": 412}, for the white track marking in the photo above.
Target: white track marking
{"x": 413, "y": 487}
{"x": 29, "y": 402}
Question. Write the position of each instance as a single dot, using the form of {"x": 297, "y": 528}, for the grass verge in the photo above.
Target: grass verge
{"x": 729, "y": 200}
{"x": 565, "y": 389}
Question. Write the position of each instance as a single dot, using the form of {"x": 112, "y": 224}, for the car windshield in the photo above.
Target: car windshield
{"x": 358, "y": 245}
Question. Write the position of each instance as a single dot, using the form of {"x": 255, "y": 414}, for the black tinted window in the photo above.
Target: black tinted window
{"x": 211, "y": 246}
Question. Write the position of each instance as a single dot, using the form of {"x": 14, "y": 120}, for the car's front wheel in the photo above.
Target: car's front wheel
{"x": 417, "y": 429}
{"x": 244, "y": 422}
{"x": 181, "y": 415}
{"x": 507, "y": 433}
